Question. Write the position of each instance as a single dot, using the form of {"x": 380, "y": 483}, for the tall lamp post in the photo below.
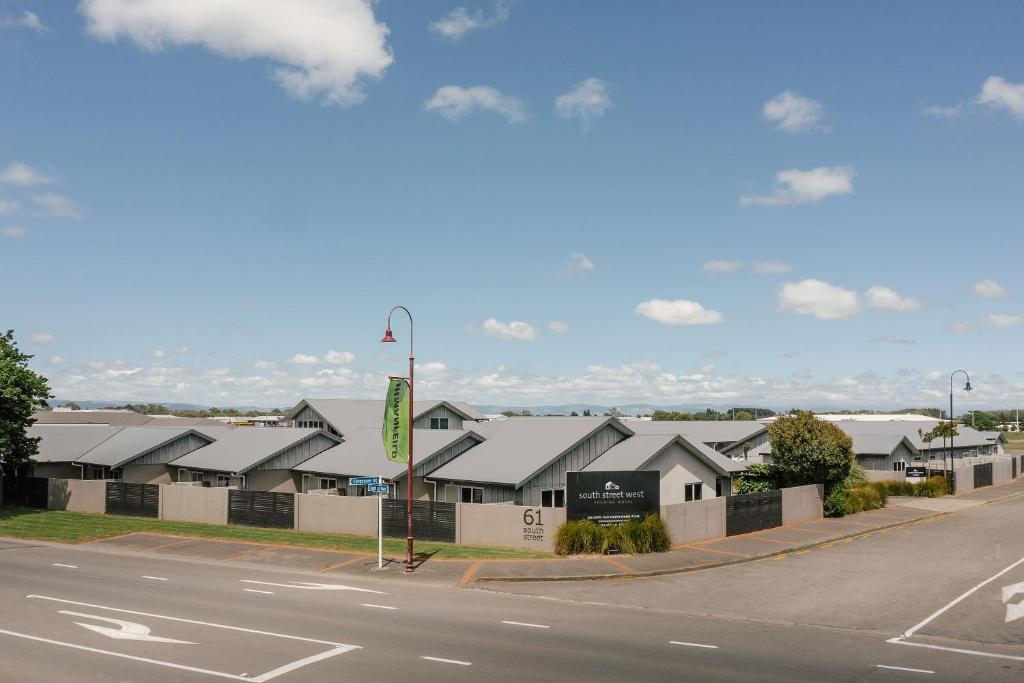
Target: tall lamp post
{"x": 952, "y": 422}
{"x": 389, "y": 338}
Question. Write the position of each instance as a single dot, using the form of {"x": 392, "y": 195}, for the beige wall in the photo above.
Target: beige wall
{"x": 1002, "y": 471}
{"x": 57, "y": 470}
{"x": 688, "y": 522}
{"x": 146, "y": 474}
{"x": 885, "y": 475}
{"x": 336, "y": 514}
{"x": 279, "y": 481}
{"x": 801, "y": 504}
{"x": 194, "y": 504}
{"x": 964, "y": 479}
{"x": 679, "y": 467}
{"x": 505, "y": 526}
{"x": 76, "y": 495}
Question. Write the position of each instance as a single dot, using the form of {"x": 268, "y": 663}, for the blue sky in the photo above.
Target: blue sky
{"x": 202, "y": 200}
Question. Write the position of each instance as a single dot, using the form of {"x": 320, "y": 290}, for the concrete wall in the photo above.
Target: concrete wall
{"x": 802, "y": 504}
{"x": 696, "y": 521}
{"x": 194, "y": 504}
{"x": 507, "y": 526}
{"x": 884, "y": 475}
{"x": 77, "y": 495}
{"x": 146, "y": 474}
{"x": 336, "y": 514}
{"x": 278, "y": 481}
{"x": 1002, "y": 471}
{"x": 679, "y": 467}
{"x": 964, "y": 479}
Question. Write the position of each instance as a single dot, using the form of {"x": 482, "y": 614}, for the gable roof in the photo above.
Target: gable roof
{"x": 879, "y": 444}
{"x": 967, "y": 437}
{"x": 635, "y": 452}
{"x": 350, "y": 414}
{"x": 67, "y": 443}
{"x": 240, "y": 450}
{"x": 705, "y": 431}
{"x": 519, "y": 447}
{"x": 362, "y": 453}
{"x": 131, "y": 443}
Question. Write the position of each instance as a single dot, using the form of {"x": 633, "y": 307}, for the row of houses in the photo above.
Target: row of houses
{"x": 460, "y": 455}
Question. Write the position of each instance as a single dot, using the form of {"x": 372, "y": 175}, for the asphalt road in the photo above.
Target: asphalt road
{"x": 74, "y": 614}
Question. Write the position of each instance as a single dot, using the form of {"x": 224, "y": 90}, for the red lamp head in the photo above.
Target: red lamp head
{"x": 387, "y": 337}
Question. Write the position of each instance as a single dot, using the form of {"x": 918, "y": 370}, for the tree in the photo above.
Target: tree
{"x": 946, "y": 430}
{"x": 742, "y": 415}
{"x": 21, "y": 392}
{"x": 981, "y": 420}
{"x": 806, "y": 450}
{"x": 71, "y": 405}
{"x": 574, "y": 414}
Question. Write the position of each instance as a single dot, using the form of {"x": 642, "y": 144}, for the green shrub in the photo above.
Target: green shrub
{"x": 837, "y": 500}
{"x": 585, "y": 537}
{"x": 933, "y": 487}
{"x": 898, "y": 488}
{"x": 756, "y": 479}
{"x": 864, "y": 497}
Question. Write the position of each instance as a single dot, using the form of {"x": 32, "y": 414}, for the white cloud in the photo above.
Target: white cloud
{"x": 794, "y": 113}
{"x": 886, "y": 299}
{"x": 156, "y": 353}
{"x": 771, "y": 267}
{"x": 7, "y": 207}
{"x": 325, "y": 49}
{"x": 678, "y": 312}
{"x": 431, "y": 368}
{"x": 817, "y": 298}
{"x": 944, "y": 113}
{"x": 510, "y": 330}
{"x": 794, "y": 187}
{"x": 459, "y": 22}
{"x": 57, "y": 205}
{"x": 990, "y": 289}
{"x": 264, "y": 365}
{"x": 26, "y": 19}
{"x": 339, "y": 357}
{"x": 122, "y": 372}
{"x": 42, "y": 338}
{"x": 23, "y": 175}
{"x": 1002, "y": 320}
{"x": 303, "y": 359}
{"x": 454, "y": 102}
{"x": 558, "y": 327}
{"x": 959, "y": 328}
{"x": 999, "y": 93}
{"x": 723, "y": 266}
{"x": 892, "y": 339}
{"x": 13, "y": 231}
{"x": 56, "y": 360}
{"x": 587, "y": 100}
{"x": 578, "y": 266}
{"x": 181, "y": 349}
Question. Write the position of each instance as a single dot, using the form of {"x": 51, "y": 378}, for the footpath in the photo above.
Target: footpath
{"x": 770, "y": 543}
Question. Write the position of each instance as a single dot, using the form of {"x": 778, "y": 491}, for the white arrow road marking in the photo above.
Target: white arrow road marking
{"x": 1014, "y": 611}
{"x": 307, "y": 586}
{"x": 127, "y": 630}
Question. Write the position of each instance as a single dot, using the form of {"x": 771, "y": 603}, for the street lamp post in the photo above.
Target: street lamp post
{"x": 389, "y": 338}
{"x": 952, "y": 422}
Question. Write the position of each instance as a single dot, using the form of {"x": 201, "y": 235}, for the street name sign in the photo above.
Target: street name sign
{"x": 363, "y": 481}
{"x": 377, "y": 488}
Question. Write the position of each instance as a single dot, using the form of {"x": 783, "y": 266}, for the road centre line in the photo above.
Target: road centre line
{"x": 367, "y": 604}
{"x": 447, "y": 661}
{"x": 680, "y": 642}
{"x": 154, "y": 578}
{"x": 901, "y": 641}
{"x": 253, "y": 590}
{"x": 912, "y": 630}
{"x": 66, "y": 566}
{"x": 903, "y": 668}
{"x": 523, "y": 623}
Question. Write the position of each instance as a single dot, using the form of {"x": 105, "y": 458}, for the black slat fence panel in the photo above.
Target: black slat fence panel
{"x": 982, "y": 475}
{"x": 29, "y": 492}
{"x": 261, "y": 508}
{"x": 135, "y": 500}
{"x": 431, "y": 520}
{"x": 1013, "y": 466}
{"x": 752, "y": 512}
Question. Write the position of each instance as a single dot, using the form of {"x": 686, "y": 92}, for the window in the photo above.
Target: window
{"x": 197, "y": 476}
{"x": 472, "y": 494}
{"x": 693, "y": 492}
{"x": 439, "y": 423}
{"x": 552, "y": 498}
{"x": 223, "y": 480}
{"x": 328, "y": 483}
{"x": 899, "y": 466}
{"x": 94, "y": 472}
{"x": 718, "y": 487}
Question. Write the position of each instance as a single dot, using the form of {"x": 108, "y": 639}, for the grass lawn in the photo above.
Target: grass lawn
{"x": 1014, "y": 439}
{"x": 76, "y": 527}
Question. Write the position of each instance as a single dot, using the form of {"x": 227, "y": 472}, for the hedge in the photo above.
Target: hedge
{"x": 586, "y": 537}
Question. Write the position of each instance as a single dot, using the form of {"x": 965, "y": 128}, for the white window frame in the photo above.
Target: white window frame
{"x": 693, "y": 492}
{"x": 327, "y": 479}
{"x": 472, "y": 490}
{"x": 899, "y": 466}
{"x": 226, "y": 478}
{"x": 438, "y": 421}
{"x": 553, "y": 503}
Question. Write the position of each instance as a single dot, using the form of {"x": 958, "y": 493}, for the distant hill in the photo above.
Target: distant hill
{"x": 97, "y": 405}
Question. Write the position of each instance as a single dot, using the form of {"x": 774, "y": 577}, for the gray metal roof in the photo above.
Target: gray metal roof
{"x": 242, "y": 449}
{"x": 67, "y": 443}
{"x": 362, "y": 453}
{"x": 349, "y": 414}
{"x": 878, "y": 444}
{"x": 114, "y": 418}
{"x": 968, "y": 438}
{"x": 132, "y": 442}
{"x": 705, "y": 431}
{"x": 633, "y": 453}
{"x": 518, "y": 447}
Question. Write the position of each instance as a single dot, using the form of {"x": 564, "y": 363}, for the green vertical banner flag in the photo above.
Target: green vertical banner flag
{"x": 396, "y": 421}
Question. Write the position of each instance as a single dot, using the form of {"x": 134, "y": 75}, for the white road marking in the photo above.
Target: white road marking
{"x": 305, "y": 585}
{"x": 447, "y": 661}
{"x": 127, "y": 630}
{"x": 521, "y": 623}
{"x": 903, "y": 668}
{"x": 367, "y": 604}
{"x": 253, "y": 590}
{"x": 901, "y": 641}
{"x": 66, "y": 566}
{"x": 155, "y": 578}
{"x": 1014, "y": 611}
{"x": 914, "y": 629}
{"x": 679, "y": 642}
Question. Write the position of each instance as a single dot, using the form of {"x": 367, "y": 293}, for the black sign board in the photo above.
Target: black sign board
{"x": 610, "y": 498}
{"x": 916, "y": 471}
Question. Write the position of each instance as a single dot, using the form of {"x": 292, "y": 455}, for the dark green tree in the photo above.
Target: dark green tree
{"x": 806, "y": 450}
{"x": 21, "y": 392}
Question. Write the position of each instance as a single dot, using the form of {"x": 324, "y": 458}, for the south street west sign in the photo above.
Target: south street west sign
{"x": 611, "y": 498}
